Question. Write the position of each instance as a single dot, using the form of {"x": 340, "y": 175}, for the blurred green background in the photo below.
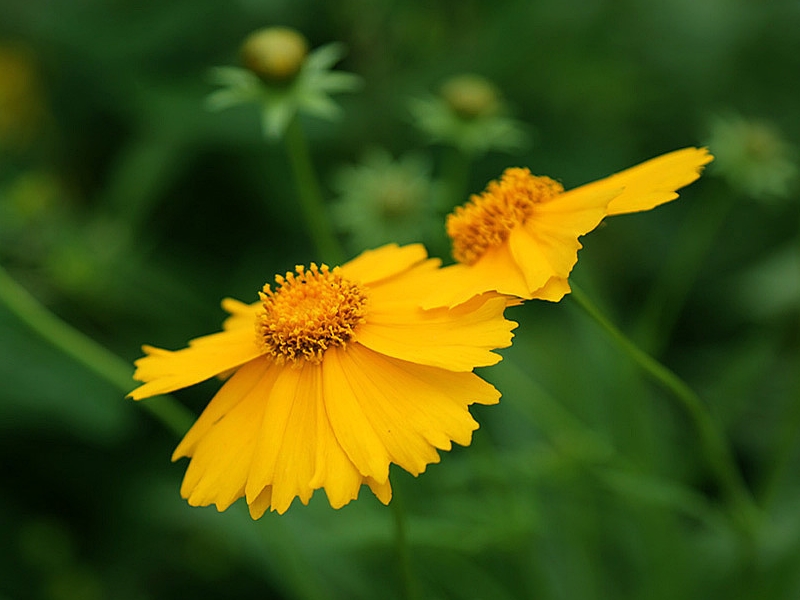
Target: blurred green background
{"x": 130, "y": 210}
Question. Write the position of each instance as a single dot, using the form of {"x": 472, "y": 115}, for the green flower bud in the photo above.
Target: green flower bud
{"x": 471, "y": 96}
{"x": 753, "y": 157}
{"x": 383, "y": 199}
{"x": 275, "y": 54}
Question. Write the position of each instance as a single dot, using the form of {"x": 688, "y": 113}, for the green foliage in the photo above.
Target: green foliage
{"x": 129, "y": 210}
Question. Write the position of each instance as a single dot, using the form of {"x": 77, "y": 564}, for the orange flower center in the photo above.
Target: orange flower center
{"x": 486, "y": 220}
{"x": 309, "y": 312}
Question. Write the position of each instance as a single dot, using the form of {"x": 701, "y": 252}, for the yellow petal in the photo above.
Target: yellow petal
{"x": 218, "y": 470}
{"x": 242, "y": 315}
{"x": 343, "y": 395}
{"x": 383, "y": 491}
{"x": 538, "y": 257}
{"x": 546, "y": 245}
{"x": 411, "y": 410}
{"x": 405, "y": 290}
{"x": 374, "y": 265}
{"x": 261, "y": 503}
{"x": 554, "y": 290}
{"x": 165, "y": 371}
{"x": 253, "y": 377}
{"x": 459, "y": 338}
{"x": 335, "y": 472}
{"x": 296, "y": 464}
{"x": 495, "y": 271}
{"x": 653, "y": 182}
{"x": 284, "y": 456}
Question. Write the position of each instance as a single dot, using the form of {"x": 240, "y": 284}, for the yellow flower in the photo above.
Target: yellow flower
{"x": 336, "y": 374}
{"x": 520, "y": 236}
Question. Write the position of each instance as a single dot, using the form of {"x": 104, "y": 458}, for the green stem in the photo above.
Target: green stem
{"x": 310, "y": 195}
{"x": 403, "y": 549}
{"x": 86, "y": 351}
{"x": 717, "y": 452}
{"x": 455, "y": 171}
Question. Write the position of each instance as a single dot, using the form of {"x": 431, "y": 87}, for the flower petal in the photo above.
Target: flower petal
{"x": 261, "y": 503}
{"x": 284, "y": 454}
{"x": 410, "y": 410}
{"x": 250, "y": 377}
{"x": 334, "y": 471}
{"x": 547, "y": 245}
{"x": 458, "y": 339}
{"x": 374, "y": 265}
{"x": 554, "y": 290}
{"x": 652, "y": 182}
{"x": 242, "y": 315}
{"x": 165, "y": 371}
{"x": 343, "y": 395}
{"x": 495, "y": 271}
{"x": 220, "y": 459}
{"x": 383, "y": 491}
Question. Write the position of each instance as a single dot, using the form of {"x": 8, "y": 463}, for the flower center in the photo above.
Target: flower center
{"x": 308, "y": 312}
{"x": 486, "y": 220}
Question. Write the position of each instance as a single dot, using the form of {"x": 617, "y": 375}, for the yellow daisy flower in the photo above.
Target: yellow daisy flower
{"x": 520, "y": 236}
{"x": 336, "y": 373}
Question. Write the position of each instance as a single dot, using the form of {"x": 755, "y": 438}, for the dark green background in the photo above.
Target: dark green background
{"x": 587, "y": 481}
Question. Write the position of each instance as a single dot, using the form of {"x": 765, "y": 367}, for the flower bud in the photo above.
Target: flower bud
{"x": 471, "y": 96}
{"x": 275, "y": 54}
{"x": 753, "y": 157}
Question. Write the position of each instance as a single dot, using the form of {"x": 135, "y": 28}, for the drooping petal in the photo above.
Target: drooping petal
{"x": 547, "y": 244}
{"x": 284, "y": 456}
{"x": 221, "y": 457}
{"x": 535, "y": 256}
{"x": 165, "y": 370}
{"x": 458, "y": 339}
{"x": 298, "y": 451}
{"x": 261, "y": 503}
{"x": 343, "y": 396}
{"x": 334, "y": 471}
{"x": 296, "y": 458}
{"x": 383, "y": 491}
{"x": 652, "y": 182}
{"x": 412, "y": 410}
{"x": 252, "y": 377}
{"x": 554, "y": 290}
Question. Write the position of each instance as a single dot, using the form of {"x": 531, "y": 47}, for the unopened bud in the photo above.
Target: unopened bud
{"x": 275, "y": 53}
{"x": 471, "y": 96}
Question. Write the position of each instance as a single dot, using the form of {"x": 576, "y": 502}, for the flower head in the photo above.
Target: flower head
{"x": 753, "y": 157}
{"x": 283, "y": 79}
{"x": 336, "y": 374}
{"x": 383, "y": 199}
{"x": 520, "y": 236}
{"x": 274, "y": 53}
{"x": 469, "y": 115}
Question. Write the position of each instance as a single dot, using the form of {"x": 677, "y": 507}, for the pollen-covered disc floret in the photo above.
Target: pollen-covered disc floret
{"x": 486, "y": 220}
{"x": 309, "y": 312}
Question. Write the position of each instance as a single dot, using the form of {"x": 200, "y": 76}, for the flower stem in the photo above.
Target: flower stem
{"x": 403, "y": 549}
{"x": 718, "y": 453}
{"x": 86, "y": 351}
{"x": 310, "y": 195}
{"x": 455, "y": 171}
